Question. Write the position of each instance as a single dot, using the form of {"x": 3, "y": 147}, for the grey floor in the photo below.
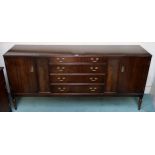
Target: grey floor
{"x": 83, "y": 104}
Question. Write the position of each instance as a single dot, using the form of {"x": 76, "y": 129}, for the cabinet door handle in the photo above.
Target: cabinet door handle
{"x": 122, "y": 69}
{"x": 32, "y": 69}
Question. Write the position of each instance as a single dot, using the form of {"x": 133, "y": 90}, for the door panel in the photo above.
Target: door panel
{"x": 112, "y": 75}
{"x": 22, "y": 74}
{"x": 43, "y": 75}
{"x": 133, "y": 74}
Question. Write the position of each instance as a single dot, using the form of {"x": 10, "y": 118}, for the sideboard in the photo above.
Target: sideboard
{"x": 77, "y": 70}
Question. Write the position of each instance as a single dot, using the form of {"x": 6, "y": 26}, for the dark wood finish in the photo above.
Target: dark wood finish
{"x": 112, "y": 75}
{"x": 133, "y": 78}
{"x": 87, "y": 88}
{"x": 80, "y": 50}
{"x": 84, "y": 70}
{"x": 77, "y": 78}
{"x": 22, "y": 74}
{"x": 76, "y": 59}
{"x": 43, "y": 75}
{"x": 77, "y": 68}
{"x": 4, "y": 99}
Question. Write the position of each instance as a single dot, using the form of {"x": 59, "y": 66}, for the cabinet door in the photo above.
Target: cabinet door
{"x": 112, "y": 75}
{"x": 43, "y": 76}
{"x": 133, "y": 74}
{"x": 21, "y": 74}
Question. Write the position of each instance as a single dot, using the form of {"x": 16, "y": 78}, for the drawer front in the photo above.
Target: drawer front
{"x": 77, "y": 88}
{"x": 77, "y": 78}
{"x": 72, "y": 59}
{"x": 77, "y": 68}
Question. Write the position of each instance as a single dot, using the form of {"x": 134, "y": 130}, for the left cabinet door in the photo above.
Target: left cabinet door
{"x": 21, "y": 74}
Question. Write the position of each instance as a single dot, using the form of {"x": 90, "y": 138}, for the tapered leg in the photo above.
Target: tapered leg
{"x": 10, "y": 109}
{"x": 140, "y": 102}
{"x": 14, "y": 103}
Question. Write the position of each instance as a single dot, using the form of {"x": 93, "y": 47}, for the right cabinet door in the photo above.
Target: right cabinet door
{"x": 133, "y": 73}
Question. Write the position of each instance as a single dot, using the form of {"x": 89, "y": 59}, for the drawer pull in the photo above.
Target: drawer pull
{"x": 93, "y": 79}
{"x": 60, "y": 59}
{"x": 61, "y": 78}
{"x": 122, "y": 69}
{"x": 61, "y": 89}
{"x": 32, "y": 69}
{"x": 60, "y": 69}
{"x": 92, "y": 89}
{"x": 94, "y": 59}
{"x": 94, "y": 69}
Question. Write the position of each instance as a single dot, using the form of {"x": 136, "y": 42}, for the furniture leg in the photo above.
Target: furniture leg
{"x": 10, "y": 109}
{"x": 14, "y": 103}
{"x": 140, "y": 102}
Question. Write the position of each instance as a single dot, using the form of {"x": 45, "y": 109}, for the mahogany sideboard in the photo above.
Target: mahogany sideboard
{"x": 77, "y": 70}
{"x": 4, "y": 99}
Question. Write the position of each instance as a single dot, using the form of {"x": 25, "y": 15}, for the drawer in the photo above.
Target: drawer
{"x": 77, "y": 78}
{"x": 77, "y": 88}
{"x": 77, "y": 68}
{"x": 74, "y": 59}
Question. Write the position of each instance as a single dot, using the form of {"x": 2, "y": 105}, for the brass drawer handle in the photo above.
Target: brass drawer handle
{"x": 61, "y": 89}
{"x": 93, "y": 79}
{"x": 94, "y": 59}
{"x": 92, "y": 89}
{"x": 60, "y": 59}
{"x": 122, "y": 69}
{"x": 94, "y": 69}
{"x": 61, "y": 78}
{"x": 32, "y": 69}
{"x": 60, "y": 69}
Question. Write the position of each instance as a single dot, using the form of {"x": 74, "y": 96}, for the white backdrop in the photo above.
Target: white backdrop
{"x": 78, "y": 21}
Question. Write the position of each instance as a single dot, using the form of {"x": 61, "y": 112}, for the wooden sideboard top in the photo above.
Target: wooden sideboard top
{"x": 40, "y": 50}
